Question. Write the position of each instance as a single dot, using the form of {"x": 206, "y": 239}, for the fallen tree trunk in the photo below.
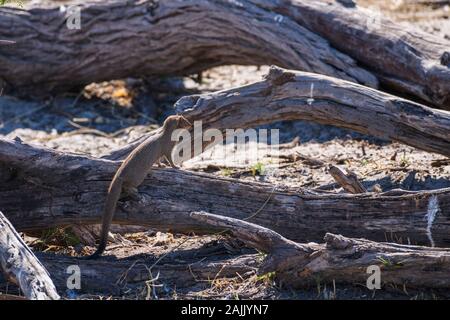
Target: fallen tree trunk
{"x": 116, "y": 276}
{"x": 42, "y": 188}
{"x": 296, "y": 265}
{"x": 406, "y": 59}
{"x": 293, "y": 95}
{"x": 174, "y": 37}
{"x": 348, "y": 180}
{"x": 21, "y": 266}
{"x": 339, "y": 259}
{"x": 167, "y": 37}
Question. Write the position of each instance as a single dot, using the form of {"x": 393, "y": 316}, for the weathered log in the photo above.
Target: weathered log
{"x": 167, "y": 37}
{"x": 21, "y": 266}
{"x": 339, "y": 259}
{"x": 114, "y": 276}
{"x": 11, "y": 297}
{"x": 347, "y": 179}
{"x": 406, "y": 59}
{"x": 293, "y": 95}
{"x": 42, "y": 188}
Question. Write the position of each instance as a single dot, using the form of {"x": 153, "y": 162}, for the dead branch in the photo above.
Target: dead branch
{"x": 406, "y": 59}
{"x": 339, "y": 259}
{"x": 293, "y": 95}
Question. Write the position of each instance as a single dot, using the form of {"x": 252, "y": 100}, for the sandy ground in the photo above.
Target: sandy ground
{"x": 111, "y": 114}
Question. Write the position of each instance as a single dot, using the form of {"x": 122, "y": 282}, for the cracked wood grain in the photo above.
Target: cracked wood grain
{"x": 286, "y": 95}
{"x": 167, "y": 38}
{"x": 21, "y": 266}
{"x": 405, "y": 59}
{"x": 43, "y": 188}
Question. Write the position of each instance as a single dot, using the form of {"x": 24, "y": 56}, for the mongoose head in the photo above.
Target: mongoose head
{"x": 176, "y": 122}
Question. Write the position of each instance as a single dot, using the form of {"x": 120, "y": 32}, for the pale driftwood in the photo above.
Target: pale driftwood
{"x": 167, "y": 37}
{"x": 20, "y": 265}
{"x": 339, "y": 259}
{"x": 293, "y": 95}
{"x": 44, "y": 188}
{"x": 347, "y": 179}
{"x": 406, "y": 59}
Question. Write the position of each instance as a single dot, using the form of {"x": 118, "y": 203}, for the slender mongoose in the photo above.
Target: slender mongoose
{"x": 134, "y": 169}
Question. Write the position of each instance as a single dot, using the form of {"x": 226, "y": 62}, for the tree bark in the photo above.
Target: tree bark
{"x": 426, "y": 2}
{"x": 114, "y": 276}
{"x": 406, "y": 59}
{"x": 21, "y": 266}
{"x": 177, "y": 38}
{"x": 167, "y": 37}
{"x": 293, "y": 95}
{"x": 295, "y": 265}
{"x": 339, "y": 259}
{"x": 44, "y": 188}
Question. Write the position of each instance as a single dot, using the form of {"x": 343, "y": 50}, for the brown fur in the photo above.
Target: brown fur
{"x": 135, "y": 168}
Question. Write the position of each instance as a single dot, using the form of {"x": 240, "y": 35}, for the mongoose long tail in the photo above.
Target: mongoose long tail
{"x": 113, "y": 196}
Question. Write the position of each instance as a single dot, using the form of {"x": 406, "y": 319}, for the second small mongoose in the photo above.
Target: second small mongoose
{"x": 135, "y": 168}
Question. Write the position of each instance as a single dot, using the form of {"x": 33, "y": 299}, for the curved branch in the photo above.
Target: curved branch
{"x": 339, "y": 259}
{"x": 293, "y": 95}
